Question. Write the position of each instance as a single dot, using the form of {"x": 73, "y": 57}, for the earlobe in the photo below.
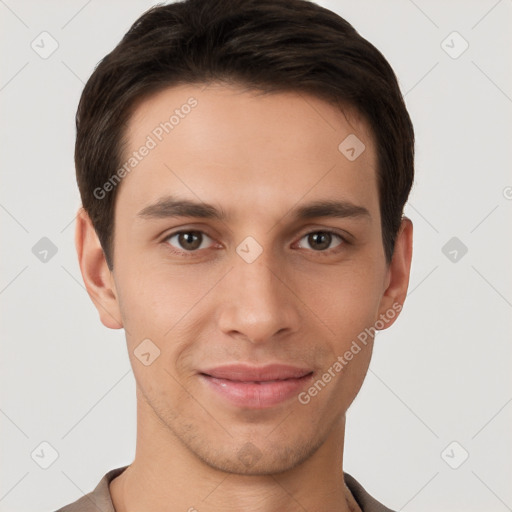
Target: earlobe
{"x": 95, "y": 272}
{"x": 397, "y": 279}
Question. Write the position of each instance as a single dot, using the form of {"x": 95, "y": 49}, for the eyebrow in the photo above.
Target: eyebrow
{"x": 171, "y": 207}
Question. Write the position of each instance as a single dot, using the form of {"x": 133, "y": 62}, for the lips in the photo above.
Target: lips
{"x": 245, "y": 373}
{"x": 256, "y": 387}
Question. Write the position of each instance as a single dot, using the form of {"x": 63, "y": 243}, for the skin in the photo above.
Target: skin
{"x": 258, "y": 157}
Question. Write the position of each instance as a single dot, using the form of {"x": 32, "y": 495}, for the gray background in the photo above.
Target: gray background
{"x": 440, "y": 375}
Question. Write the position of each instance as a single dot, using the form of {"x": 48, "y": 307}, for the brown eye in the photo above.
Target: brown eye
{"x": 321, "y": 240}
{"x": 187, "y": 240}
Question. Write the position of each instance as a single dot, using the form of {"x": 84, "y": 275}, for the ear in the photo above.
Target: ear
{"x": 397, "y": 278}
{"x": 98, "y": 278}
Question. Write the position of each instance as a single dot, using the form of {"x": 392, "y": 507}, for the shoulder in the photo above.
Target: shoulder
{"x": 367, "y": 502}
{"x": 98, "y": 499}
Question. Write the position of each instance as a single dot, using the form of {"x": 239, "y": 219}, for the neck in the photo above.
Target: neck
{"x": 165, "y": 472}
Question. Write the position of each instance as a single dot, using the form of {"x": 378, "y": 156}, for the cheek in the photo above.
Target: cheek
{"x": 155, "y": 300}
{"x": 347, "y": 300}
{"x": 165, "y": 307}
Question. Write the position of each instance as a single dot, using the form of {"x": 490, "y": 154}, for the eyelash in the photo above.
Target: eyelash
{"x": 192, "y": 254}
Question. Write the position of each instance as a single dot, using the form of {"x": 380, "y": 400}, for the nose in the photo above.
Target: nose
{"x": 258, "y": 300}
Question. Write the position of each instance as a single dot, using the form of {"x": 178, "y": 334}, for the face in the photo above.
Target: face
{"x": 280, "y": 262}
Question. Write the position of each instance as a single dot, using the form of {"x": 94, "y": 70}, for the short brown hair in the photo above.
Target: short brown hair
{"x": 266, "y": 45}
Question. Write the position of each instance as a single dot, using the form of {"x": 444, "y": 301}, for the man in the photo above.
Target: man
{"x": 243, "y": 167}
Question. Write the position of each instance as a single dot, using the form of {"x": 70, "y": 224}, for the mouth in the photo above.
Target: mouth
{"x": 256, "y": 387}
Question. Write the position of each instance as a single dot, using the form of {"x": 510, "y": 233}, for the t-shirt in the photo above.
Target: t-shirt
{"x": 100, "y": 500}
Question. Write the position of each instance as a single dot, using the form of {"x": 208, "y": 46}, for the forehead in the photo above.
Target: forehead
{"x": 218, "y": 141}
